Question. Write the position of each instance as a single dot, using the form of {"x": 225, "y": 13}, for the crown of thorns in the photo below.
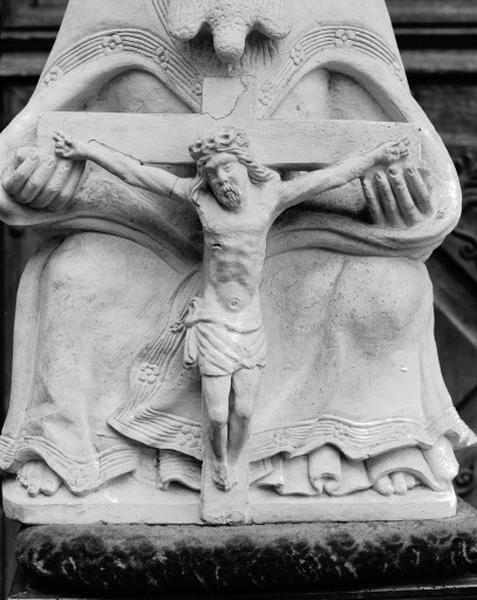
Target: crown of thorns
{"x": 225, "y": 140}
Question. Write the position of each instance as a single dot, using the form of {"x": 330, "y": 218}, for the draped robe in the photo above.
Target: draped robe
{"x": 352, "y": 374}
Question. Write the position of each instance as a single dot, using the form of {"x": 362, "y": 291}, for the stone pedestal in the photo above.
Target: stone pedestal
{"x": 446, "y": 590}
{"x": 100, "y": 560}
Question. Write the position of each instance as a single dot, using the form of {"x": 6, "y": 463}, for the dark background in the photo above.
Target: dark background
{"x": 438, "y": 41}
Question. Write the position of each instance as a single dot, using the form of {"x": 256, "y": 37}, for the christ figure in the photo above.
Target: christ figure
{"x": 237, "y": 201}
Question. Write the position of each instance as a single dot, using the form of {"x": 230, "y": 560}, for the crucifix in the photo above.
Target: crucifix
{"x": 237, "y": 194}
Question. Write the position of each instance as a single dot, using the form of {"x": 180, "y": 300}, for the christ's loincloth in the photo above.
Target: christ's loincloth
{"x": 219, "y": 348}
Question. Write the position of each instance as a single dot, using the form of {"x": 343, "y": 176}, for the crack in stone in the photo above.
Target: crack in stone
{"x": 245, "y": 89}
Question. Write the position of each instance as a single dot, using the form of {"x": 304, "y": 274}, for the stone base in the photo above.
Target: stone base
{"x": 141, "y": 503}
{"x": 129, "y": 560}
{"x": 455, "y": 589}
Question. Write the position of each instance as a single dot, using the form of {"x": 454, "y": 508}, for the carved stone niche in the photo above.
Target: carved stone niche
{"x": 255, "y": 202}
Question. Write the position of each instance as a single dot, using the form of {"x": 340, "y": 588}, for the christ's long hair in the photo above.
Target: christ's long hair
{"x": 233, "y": 141}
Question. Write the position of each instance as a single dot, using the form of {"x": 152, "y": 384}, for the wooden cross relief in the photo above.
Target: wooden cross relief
{"x": 278, "y": 143}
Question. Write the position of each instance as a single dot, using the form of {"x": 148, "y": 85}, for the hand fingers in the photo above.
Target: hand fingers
{"x": 19, "y": 156}
{"x": 24, "y": 152}
{"x": 9, "y": 171}
{"x": 401, "y": 145}
{"x": 61, "y": 151}
{"x": 37, "y": 180}
{"x": 372, "y": 202}
{"x": 14, "y": 179}
{"x": 56, "y": 184}
{"x": 68, "y": 191}
{"x": 63, "y": 144}
{"x": 419, "y": 190}
{"x": 387, "y": 200}
{"x": 405, "y": 203}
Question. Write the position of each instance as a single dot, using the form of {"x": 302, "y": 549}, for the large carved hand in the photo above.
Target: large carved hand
{"x": 38, "y": 180}
{"x": 397, "y": 197}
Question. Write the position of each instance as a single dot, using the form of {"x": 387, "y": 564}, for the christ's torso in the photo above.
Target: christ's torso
{"x": 234, "y": 254}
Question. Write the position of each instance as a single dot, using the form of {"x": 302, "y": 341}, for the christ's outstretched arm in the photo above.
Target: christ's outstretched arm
{"x": 125, "y": 167}
{"x": 304, "y": 188}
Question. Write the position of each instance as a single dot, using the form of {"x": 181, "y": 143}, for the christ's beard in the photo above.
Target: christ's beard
{"x": 230, "y": 197}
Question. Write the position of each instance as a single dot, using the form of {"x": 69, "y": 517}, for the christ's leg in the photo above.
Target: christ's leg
{"x": 216, "y": 394}
{"x": 245, "y": 385}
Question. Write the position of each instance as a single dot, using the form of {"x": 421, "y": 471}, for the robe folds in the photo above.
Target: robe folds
{"x": 352, "y": 387}
{"x": 352, "y": 372}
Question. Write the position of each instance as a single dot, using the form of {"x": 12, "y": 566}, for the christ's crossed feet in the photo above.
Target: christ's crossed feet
{"x": 224, "y": 476}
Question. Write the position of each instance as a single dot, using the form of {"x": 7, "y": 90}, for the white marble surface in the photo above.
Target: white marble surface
{"x": 351, "y": 412}
{"x": 128, "y": 501}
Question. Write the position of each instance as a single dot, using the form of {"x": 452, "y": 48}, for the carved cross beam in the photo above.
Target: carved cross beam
{"x": 277, "y": 143}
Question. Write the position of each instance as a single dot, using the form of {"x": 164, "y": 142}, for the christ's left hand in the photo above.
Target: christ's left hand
{"x": 391, "y": 152}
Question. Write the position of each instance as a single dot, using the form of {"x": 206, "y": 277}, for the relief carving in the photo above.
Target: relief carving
{"x": 241, "y": 331}
{"x": 230, "y": 22}
{"x": 166, "y": 62}
{"x": 311, "y": 50}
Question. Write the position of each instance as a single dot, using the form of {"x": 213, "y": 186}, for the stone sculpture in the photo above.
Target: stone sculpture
{"x": 225, "y": 336}
{"x": 346, "y": 416}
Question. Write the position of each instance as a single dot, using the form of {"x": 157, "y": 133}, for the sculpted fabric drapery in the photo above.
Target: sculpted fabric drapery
{"x": 336, "y": 312}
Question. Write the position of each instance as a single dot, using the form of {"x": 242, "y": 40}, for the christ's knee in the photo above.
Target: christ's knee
{"x": 217, "y": 422}
{"x": 217, "y": 426}
{"x": 243, "y": 407}
{"x": 216, "y": 392}
{"x": 218, "y": 415}
{"x": 245, "y": 385}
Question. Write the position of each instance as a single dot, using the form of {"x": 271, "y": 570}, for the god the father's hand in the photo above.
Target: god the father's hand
{"x": 37, "y": 179}
{"x": 398, "y": 196}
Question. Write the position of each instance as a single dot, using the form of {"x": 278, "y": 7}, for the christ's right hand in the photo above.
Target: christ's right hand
{"x": 66, "y": 147}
